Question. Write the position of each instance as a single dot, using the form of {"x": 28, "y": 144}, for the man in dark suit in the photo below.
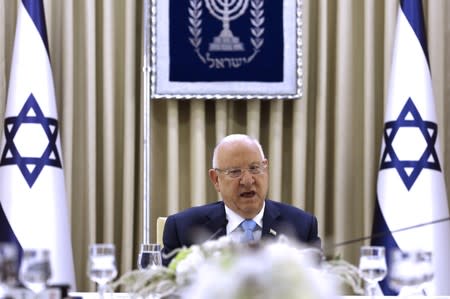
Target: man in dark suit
{"x": 240, "y": 174}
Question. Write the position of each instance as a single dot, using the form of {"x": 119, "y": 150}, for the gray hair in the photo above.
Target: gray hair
{"x": 235, "y": 137}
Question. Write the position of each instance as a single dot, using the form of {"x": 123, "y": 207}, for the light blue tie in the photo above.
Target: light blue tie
{"x": 249, "y": 226}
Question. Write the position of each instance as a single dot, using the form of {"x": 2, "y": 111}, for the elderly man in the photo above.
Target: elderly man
{"x": 240, "y": 174}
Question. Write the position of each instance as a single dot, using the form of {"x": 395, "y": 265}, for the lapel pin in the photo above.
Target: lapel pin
{"x": 272, "y": 232}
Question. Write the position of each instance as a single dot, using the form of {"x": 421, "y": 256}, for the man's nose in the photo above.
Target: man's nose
{"x": 247, "y": 177}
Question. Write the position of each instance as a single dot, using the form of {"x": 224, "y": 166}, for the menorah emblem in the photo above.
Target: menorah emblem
{"x": 226, "y": 11}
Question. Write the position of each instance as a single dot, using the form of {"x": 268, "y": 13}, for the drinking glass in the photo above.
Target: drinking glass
{"x": 372, "y": 267}
{"x": 102, "y": 265}
{"x": 410, "y": 271}
{"x": 35, "y": 269}
{"x": 149, "y": 256}
{"x": 8, "y": 267}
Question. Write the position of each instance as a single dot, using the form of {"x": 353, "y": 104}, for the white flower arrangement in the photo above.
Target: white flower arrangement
{"x": 223, "y": 269}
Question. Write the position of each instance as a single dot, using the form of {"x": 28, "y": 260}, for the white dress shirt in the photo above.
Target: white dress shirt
{"x": 235, "y": 231}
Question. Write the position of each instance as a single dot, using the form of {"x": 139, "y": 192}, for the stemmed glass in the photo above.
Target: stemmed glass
{"x": 372, "y": 266}
{"x": 35, "y": 269}
{"x": 102, "y": 265}
{"x": 8, "y": 267}
{"x": 149, "y": 256}
{"x": 410, "y": 271}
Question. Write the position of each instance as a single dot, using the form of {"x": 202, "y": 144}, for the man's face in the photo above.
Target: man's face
{"x": 245, "y": 194}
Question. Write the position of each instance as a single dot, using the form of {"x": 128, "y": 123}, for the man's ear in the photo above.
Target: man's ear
{"x": 214, "y": 179}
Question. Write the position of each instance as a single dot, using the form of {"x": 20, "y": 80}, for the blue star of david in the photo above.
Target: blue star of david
{"x": 428, "y": 129}
{"x": 30, "y": 167}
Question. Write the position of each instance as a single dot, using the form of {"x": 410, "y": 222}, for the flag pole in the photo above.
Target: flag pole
{"x": 146, "y": 121}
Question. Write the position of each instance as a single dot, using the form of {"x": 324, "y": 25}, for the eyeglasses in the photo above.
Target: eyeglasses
{"x": 234, "y": 173}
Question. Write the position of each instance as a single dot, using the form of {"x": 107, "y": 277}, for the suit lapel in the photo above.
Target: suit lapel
{"x": 270, "y": 216}
{"x": 217, "y": 221}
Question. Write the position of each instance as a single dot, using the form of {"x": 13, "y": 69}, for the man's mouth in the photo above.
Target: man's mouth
{"x": 248, "y": 194}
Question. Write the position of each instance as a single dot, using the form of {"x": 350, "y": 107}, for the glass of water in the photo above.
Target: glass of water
{"x": 35, "y": 269}
{"x": 149, "y": 256}
{"x": 8, "y": 267}
{"x": 102, "y": 265}
{"x": 372, "y": 267}
{"x": 410, "y": 270}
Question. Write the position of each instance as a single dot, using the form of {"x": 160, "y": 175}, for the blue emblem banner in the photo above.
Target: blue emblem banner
{"x": 226, "y": 49}
{"x": 212, "y": 42}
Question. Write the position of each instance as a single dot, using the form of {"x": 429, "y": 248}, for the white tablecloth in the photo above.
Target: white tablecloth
{"x": 92, "y": 295}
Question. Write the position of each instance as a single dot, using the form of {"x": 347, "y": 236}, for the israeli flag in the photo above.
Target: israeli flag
{"x": 411, "y": 211}
{"x": 32, "y": 194}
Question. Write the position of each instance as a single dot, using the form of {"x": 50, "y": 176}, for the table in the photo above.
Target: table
{"x": 93, "y": 295}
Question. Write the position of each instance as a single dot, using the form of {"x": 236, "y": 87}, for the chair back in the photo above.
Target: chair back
{"x": 160, "y": 222}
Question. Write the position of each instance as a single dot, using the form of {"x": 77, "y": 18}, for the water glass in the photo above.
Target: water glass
{"x": 372, "y": 266}
{"x": 410, "y": 270}
{"x": 149, "y": 256}
{"x": 8, "y": 267}
{"x": 102, "y": 265}
{"x": 35, "y": 269}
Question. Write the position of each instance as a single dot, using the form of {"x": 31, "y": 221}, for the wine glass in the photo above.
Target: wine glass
{"x": 149, "y": 256}
{"x": 35, "y": 269}
{"x": 410, "y": 270}
{"x": 8, "y": 267}
{"x": 102, "y": 265}
{"x": 372, "y": 266}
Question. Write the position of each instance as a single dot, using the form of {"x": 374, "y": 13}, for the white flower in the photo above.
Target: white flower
{"x": 220, "y": 244}
{"x": 223, "y": 269}
{"x": 186, "y": 268}
{"x": 277, "y": 270}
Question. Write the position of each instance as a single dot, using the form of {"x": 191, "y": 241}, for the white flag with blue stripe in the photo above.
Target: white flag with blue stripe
{"x": 411, "y": 189}
{"x": 33, "y": 211}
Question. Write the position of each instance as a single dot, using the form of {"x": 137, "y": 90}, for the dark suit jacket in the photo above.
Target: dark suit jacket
{"x": 198, "y": 224}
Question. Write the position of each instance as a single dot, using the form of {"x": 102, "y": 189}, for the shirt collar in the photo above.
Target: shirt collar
{"x": 234, "y": 220}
